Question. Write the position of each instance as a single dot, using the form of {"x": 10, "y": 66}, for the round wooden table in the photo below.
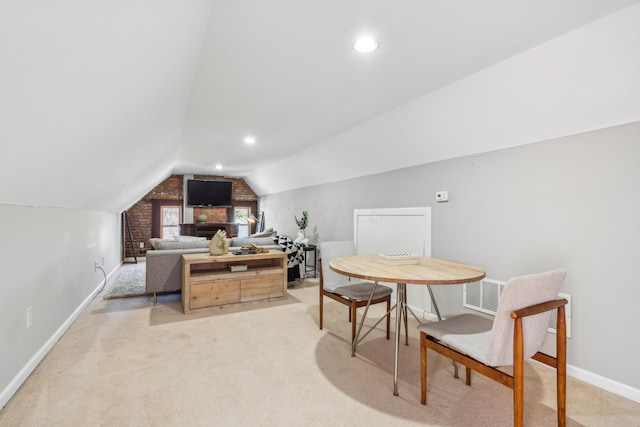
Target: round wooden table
{"x": 424, "y": 271}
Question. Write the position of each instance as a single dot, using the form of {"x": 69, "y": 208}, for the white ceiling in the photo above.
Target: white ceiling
{"x": 286, "y": 71}
{"x": 102, "y": 100}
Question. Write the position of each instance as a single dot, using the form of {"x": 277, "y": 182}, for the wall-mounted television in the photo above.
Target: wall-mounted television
{"x": 209, "y": 193}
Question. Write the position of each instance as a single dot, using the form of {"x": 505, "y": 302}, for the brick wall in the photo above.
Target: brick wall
{"x": 172, "y": 188}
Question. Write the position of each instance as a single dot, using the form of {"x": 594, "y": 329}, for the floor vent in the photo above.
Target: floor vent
{"x": 484, "y": 296}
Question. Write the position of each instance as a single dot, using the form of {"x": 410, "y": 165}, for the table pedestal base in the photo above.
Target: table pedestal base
{"x": 428, "y": 271}
{"x": 401, "y": 308}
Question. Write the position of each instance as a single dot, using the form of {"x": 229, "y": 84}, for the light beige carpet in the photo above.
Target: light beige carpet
{"x": 127, "y": 362}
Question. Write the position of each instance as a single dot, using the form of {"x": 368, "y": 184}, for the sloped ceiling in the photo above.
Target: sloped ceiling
{"x": 93, "y": 97}
{"x": 100, "y": 101}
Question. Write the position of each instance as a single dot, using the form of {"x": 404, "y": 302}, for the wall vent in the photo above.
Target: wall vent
{"x": 485, "y": 295}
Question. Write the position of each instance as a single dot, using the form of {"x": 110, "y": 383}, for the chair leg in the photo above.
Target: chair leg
{"x": 321, "y": 305}
{"x": 518, "y": 374}
{"x": 561, "y": 368}
{"x": 423, "y": 370}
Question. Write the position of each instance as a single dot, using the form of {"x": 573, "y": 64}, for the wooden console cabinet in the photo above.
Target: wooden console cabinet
{"x": 208, "y": 282}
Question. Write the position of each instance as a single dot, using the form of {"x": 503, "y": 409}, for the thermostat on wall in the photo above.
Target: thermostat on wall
{"x": 442, "y": 196}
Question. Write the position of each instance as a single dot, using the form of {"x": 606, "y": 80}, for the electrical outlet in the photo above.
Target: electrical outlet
{"x": 95, "y": 265}
{"x": 29, "y": 316}
{"x": 102, "y": 264}
{"x": 442, "y": 196}
{"x": 141, "y": 245}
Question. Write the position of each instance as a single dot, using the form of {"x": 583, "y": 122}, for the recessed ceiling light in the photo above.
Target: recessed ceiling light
{"x": 219, "y": 166}
{"x": 365, "y": 45}
{"x": 249, "y": 140}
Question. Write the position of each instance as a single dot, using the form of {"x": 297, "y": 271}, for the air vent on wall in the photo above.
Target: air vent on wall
{"x": 484, "y": 296}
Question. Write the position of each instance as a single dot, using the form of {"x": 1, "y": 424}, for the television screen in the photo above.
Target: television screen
{"x": 208, "y": 193}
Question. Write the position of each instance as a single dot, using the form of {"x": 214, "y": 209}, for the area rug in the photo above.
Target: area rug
{"x": 129, "y": 283}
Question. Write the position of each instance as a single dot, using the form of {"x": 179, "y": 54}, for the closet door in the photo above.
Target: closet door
{"x": 406, "y": 230}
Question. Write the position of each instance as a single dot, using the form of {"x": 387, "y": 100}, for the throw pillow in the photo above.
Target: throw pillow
{"x": 294, "y": 251}
{"x": 245, "y": 241}
{"x": 154, "y": 242}
{"x": 189, "y": 238}
{"x": 266, "y": 233}
{"x": 173, "y": 244}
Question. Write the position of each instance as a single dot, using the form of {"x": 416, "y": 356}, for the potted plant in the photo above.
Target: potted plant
{"x": 302, "y": 222}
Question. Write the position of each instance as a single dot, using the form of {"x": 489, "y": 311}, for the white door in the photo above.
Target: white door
{"x": 406, "y": 230}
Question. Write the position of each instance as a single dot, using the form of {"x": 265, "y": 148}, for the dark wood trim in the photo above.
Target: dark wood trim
{"x": 253, "y": 209}
{"x": 156, "y": 204}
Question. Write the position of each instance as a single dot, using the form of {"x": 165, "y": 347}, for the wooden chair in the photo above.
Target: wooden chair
{"x": 516, "y": 334}
{"x": 340, "y": 288}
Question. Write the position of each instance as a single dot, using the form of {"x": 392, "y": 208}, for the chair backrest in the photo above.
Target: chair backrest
{"x": 521, "y": 292}
{"x": 329, "y": 251}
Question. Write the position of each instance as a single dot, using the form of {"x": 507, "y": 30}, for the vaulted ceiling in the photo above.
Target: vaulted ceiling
{"x": 100, "y": 101}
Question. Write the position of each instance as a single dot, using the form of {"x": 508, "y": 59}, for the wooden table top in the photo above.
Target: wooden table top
{"x": 427, "y": 272}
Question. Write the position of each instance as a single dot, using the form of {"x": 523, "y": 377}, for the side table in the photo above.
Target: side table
{"x": 312, "y": 268}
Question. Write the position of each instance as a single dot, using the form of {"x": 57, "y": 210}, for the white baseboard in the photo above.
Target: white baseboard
{"x": 604, "y": 383}
{"x": 429, "y": 316}
{"x": 27, "y": 369}
{"x": 420, "y": 313}
{"x": 596, "y": 380}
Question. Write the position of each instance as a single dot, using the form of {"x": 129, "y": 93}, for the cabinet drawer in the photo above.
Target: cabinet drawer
{"x": 262, "y": 287}
{"x": 214, "y": 293}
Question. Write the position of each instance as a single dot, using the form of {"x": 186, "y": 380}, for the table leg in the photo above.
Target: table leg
{"x": 406, "y": 322}
{"x": 364, "y": 315}
{"x": 433, "y": 302}
{"x": 401, "y": 311}
{"x": 400, "y": 302}
{"x": 435, "y": 306}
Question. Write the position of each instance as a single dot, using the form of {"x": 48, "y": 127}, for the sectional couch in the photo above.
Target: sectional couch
{"x": 164, "y": 261}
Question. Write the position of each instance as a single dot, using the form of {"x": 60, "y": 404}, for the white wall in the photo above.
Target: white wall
{"x": 47, "y": 257}
{"x": 570, "y": 202}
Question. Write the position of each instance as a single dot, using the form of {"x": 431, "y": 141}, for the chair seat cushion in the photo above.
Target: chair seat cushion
{"x": 468, "y": 333}
{"x": 361, "y": 291}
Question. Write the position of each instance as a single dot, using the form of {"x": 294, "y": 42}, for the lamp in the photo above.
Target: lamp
{"x": 251, "y": 220}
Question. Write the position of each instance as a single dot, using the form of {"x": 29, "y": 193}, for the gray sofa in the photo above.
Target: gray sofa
{"x": 164, "y": 261}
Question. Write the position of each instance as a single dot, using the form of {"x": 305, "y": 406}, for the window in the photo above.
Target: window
{"x": 169, "y": 221}
{"x": 241, "y": 217}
